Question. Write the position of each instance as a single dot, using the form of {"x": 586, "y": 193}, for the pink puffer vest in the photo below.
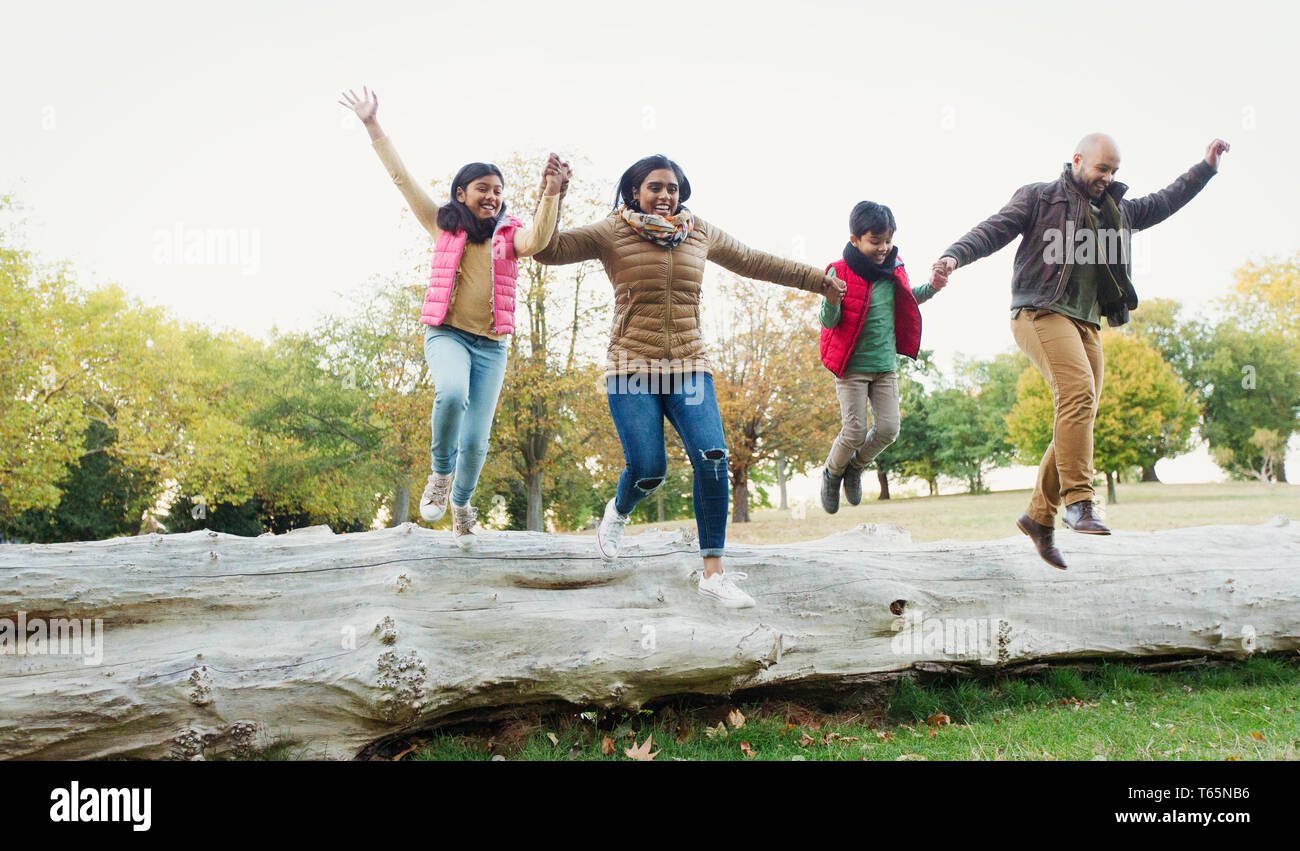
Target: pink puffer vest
{"x": 505, "y": 269}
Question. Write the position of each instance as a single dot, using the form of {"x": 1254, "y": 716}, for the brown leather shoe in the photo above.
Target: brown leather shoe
{"x": 1081, "y": 517}
{"x": 1042, "y": 537}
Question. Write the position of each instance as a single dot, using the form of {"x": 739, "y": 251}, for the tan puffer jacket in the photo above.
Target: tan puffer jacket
{"x": 656, "y": 325}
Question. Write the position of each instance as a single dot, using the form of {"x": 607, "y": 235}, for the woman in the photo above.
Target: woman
{"x": 469, "y": 309}
{"x": 653, "y": 250}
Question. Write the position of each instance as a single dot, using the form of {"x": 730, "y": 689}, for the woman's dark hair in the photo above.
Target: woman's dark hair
{"x": 873, "y": 217}
{"x": 636, "y": 175}
{"x": 456, "y": 216}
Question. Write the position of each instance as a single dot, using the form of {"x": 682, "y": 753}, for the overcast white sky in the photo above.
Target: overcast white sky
{"x": 122, "y": 120}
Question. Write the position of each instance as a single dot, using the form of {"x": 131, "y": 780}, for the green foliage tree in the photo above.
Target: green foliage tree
{"x": 1145, "y": 408}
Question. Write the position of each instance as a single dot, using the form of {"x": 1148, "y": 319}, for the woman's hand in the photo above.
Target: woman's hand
{"x": 365, "y": 108}
{"x": 835, "y": 288}
{"x": 555, "y": 177}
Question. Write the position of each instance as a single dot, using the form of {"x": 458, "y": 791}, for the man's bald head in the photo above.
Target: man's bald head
{"x": 1096, "y": 159}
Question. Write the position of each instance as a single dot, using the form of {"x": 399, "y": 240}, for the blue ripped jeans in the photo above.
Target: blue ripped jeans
{"x": 468, "y": 371}
{"x": 639, "y": 404}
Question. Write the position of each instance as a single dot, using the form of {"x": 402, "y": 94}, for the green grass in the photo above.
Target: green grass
{"x": 1235, "y": 710}
{"x": 1142, "y": 507}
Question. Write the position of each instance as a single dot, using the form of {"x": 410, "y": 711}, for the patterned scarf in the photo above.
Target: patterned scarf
{"x": 669, "y": 232}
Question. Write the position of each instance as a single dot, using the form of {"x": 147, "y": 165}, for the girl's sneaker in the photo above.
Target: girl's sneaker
{"x": 433, "y": 504}
{"x": 462, "y": 525}
{"x": 722, "y": 588}
{"x": 610, "y": 532}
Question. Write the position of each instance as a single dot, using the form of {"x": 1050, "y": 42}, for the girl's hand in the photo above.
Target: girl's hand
{"x": 555, "y": 177}
{"x": 365, "y": 107}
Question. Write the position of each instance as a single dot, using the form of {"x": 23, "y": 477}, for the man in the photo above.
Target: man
{"x": 1072, "y": 268}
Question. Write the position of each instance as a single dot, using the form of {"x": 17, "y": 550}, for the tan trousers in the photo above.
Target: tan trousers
{"x": 1068, "y": 354}
{"x": 855, "y": 445}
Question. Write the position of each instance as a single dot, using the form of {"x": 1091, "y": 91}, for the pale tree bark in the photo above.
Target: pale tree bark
{"x": 214, "y": 644}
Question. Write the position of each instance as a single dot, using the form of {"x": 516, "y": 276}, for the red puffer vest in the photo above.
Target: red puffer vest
{"x": 505, "y": 269}
{"x": 837, "y": 343}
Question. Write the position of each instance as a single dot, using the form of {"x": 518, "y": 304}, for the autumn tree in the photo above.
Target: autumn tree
{"x": 773, "y": 393}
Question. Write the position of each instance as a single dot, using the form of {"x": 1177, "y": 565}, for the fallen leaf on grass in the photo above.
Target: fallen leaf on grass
{"x": 805, "y": 740}
{"x": 836, "y": 737}
{"x": 736, "y": 719}
{"x": 683, "y": 733}
{"x": 554, "y": 740}
{"x": 641, "y": 752}
{"x": 1256, "y": 735}
{"x": 885, "y": 735}
{"x": 747, "y": 750}
{"x": 607, "y": 746}
{"x": 938, "y": 720}
{"x": 719, "y": 731}
{"x": 405, "y": 752}
{"x": 909, "y": 757}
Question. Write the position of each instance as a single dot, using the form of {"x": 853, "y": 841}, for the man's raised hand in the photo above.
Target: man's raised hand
{"x": 1216, "y": 149}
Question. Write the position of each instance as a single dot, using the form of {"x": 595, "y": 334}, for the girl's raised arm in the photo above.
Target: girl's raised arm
{"x": 424, "y": 207}
{"x": 555, "y": 179}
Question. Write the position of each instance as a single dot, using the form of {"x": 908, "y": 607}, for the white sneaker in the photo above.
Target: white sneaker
{"x": 463, "y": 518}
{"x": 610, "y": 532}
{"x": 722, "y": 588}
{"x": 433, "y": 504}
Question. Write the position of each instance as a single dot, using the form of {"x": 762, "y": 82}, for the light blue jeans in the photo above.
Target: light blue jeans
{"x": 468, "y": 371}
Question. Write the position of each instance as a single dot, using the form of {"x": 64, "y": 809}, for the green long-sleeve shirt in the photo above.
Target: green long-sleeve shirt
{"x": 875, "y": 349}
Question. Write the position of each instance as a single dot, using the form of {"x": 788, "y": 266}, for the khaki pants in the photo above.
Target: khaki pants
{"x": 1068, "y": 354}
{"x": 855, "y": 444}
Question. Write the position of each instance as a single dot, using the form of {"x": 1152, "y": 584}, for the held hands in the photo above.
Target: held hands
{"x": 555, "y": 176}
{"x": 1216, "y": 149}
{"x": 835, "y": 288}
{"x": 364, "y": 107}
{"x": 940, "y": 271}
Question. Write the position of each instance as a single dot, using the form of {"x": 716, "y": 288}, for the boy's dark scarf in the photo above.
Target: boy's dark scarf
{"x": 866, "y": 268}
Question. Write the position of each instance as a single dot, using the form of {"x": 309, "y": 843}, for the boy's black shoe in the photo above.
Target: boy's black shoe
{"x": 830, "y": 491}
{"x": 1042, "y": 537}
{"x": 1082, "y": 517}
{"x": 853, "y": 484}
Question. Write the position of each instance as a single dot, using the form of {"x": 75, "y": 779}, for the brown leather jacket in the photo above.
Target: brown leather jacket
{"x": 656, "y": 325}
{"x": 1040, "y": 211}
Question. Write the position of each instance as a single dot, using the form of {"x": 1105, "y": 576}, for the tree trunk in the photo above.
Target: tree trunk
{"x": 740, "y": 495}
{"x": 934, "y": 486}
{"x": 882, "y": 476}
{"x": 1279, "y": 471}
{"x": 1110, "y": 489}
{"x": 211, "y": 644}
{"x": 780, "y": 479}
{"x": 533, "y": 482}
{"x": 659, "y": 503}
{"x": 401, "y": 501}
{"x": 1149, "y": 474}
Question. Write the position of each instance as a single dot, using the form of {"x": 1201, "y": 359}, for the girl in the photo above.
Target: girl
{"x": 469, "y": 309}
{"x": 653, "y": 250}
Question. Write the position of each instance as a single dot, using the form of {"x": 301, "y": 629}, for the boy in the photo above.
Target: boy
{"x": 878, "y": 319}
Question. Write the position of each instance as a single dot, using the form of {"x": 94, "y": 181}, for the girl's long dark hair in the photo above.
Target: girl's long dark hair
{"x": 636, "y": 175}
{"x": 455, "y": 216}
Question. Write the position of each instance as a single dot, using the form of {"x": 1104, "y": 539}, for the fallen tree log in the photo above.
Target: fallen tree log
{"x": 213, "y": 644}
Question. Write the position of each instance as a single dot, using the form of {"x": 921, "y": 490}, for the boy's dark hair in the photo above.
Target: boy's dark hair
{"x": 873, "y": 217}
{"x": 454, "y": 215}
{"x": 639, "y": 171}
